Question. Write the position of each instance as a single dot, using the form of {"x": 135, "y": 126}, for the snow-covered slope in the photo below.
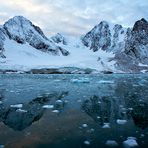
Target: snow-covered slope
{"x": 105, "y": 36}
{"x": 130, "y": 45}
{"x": 24, "y": 57}
{"x": 24, "y": 31}
{"x": 107, "y": 47}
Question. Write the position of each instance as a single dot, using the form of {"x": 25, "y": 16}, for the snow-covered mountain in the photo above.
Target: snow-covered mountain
{"x": 130, "y": 45}
{"x": 23, "y": 31}
{"x": 107, "y": 47}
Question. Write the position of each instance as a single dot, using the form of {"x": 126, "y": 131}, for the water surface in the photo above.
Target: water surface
{"x": 86, "y": 110}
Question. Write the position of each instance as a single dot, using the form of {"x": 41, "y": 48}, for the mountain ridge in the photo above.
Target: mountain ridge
{"x": 107, "y": 47}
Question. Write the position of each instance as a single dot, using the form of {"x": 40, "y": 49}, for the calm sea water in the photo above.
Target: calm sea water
{"x": 83, "y": 110}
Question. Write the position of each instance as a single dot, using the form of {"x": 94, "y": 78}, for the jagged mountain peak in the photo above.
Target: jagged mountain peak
{"x": 104, "y": 36}
{"x": 141, "y": 25}
{"x": 59, "y": 38}
{"x": 22, "y": 27}
{"x": 24, "y": 31}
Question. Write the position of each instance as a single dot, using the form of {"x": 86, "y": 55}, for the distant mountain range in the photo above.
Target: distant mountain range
{"x": 106, "y": 48}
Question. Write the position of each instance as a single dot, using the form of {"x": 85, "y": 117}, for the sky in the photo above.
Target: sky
{"x": 74, "y": 17}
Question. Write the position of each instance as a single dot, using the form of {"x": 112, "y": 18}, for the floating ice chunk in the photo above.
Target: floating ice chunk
{"x": 1, "y": 102}
{"x": 12, "y": 91}
{"x": 92, "y": 130}
{"x": 106, "y": 125}
{"x": 48, "y": 106}
{"x": 130, "y": 142}
{"x": 142, "y": 135}
{"x": 21, "y": 110}
{"x": 130, "y": 109}
{"x": 2, "y": 146}
{"x": 57, "y": 80}
{"x": 55, "y": 111}
{"x": 17, "y": 106}
{"x": 111, "y": 143}
{"x": 59, "y": 101}
{"x": 106, "y": 82}
{"x": 87, "y": 142}
{"x": 121, "y": 122}
{"x": 82, "y": 80}
{"x": 79, "y": 101}
{"x": 98, "y": 117}
{"x": 84, "y": 125}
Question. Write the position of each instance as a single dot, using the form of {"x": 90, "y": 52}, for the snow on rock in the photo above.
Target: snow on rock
{"x": 111, "y": 143}
{"x": 105, "y": 36}
{"x": 107, "y": 48}
{"x": 130, "y": 142}
{"x": 81, "y": 60}
{"x": 23, "y": 31}
{"x": 17, "y": 106}
{"x": 58, "y": 38}
{"x": 128, "y": 44}
{"x": 2, "y": 39}
{"x": 121, "y": 122}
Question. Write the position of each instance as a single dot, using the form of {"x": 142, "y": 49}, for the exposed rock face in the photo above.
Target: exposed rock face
{"x": 137, "y": 41}
{"x": 98, "y": 37}
{"x": 130, "y": 45}
{"x": 58, "y": 38}
{"x": 105, "y": 37}
{"x": 2, "y": 39}
{"x": 23, "y": 31}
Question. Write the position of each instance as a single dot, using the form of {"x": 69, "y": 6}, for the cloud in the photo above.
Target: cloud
{"x": 74, "y": 17}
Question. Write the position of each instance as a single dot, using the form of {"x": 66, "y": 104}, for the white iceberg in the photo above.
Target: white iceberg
{"x": 48, "y": 106}
{"x": 130, "y": 142}
{"x": 106, "y": 125}
{"x": 81, "y": 80}
{"x": 17, "y": 106}
{"x": 111, "y": 143}
{"x": 121, "y": 122}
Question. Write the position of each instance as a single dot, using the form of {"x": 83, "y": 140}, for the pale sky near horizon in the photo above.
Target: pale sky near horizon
{"x": 74, "y": 17}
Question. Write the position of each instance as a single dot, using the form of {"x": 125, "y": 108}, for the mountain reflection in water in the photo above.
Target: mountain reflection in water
{"x": 77, "y": 112}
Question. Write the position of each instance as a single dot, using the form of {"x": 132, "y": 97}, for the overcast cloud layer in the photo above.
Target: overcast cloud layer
{"x": 74, "y": 17}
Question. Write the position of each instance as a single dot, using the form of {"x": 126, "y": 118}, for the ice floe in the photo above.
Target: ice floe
{"x": 105, "y": 82}
{"x": 87, "y": 142}
{"x": 55, "y": 111}
{"x": 48, "y": 106}
{"x": 130, "y": 142}
{"x": 59, "y": 101}
{"x": 106, "y": 125}
{"x": 81, "y": 80}
{"x": 84, "y": 125}
{"x": 121, "y": 122}
{"x": 17, "y": 106}
{"x": 111, "y": 143}
{"x": 2, "y": 146}
{"x": 21, "y": 110}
